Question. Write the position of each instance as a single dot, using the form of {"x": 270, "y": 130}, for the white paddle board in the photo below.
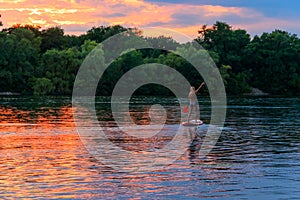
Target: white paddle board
{"x": 192, "y": 123}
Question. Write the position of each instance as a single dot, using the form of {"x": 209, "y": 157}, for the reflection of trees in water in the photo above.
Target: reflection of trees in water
{"x": 195, "y": 146}
{"x": 261, "y": 125}
{"x": 219, "y": 154}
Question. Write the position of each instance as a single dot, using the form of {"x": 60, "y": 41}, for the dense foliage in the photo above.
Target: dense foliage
{"x": 41, "y": 62}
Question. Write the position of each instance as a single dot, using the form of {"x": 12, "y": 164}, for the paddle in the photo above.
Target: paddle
{"x": 185, "y": 109}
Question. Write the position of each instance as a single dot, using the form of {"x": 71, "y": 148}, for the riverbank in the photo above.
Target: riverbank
{"x": 256, "y": 92}
{"x": 9, "y": 93}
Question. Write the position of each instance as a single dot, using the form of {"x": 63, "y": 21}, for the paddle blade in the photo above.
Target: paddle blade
{"x": 185, "y": 109}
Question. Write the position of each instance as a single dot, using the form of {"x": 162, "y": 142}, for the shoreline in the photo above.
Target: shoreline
{"x": 9, "y": 94}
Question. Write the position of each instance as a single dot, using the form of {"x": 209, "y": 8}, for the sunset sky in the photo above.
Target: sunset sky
{"x": 78, "y": 16}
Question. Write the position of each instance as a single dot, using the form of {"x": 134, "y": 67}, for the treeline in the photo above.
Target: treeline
{"x": 45, "y": 62}
{"x": 270, "y": 62}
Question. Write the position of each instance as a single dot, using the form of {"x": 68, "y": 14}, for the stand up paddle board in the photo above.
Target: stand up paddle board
{"x": 192, "y": 123}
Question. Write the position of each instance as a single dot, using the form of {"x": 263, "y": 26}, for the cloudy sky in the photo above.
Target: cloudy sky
{"x": 78, "y": 16}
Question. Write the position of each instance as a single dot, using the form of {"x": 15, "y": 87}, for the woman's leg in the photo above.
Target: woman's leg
{"x": 196, "y": 114}
{"x": 190, "y": 112}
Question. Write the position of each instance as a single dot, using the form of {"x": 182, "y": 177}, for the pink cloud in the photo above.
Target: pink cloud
{"x": 134, "y": 13}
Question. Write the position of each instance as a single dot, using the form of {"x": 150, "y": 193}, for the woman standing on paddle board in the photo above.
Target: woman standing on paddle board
{"x": 193, "y": 101}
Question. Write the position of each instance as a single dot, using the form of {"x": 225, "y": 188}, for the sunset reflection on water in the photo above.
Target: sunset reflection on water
{"x": 42, "y": 156}
{"x": 39, "y": 149}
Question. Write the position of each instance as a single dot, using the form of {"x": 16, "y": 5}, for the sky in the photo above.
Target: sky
{"x": 187, "y": 17}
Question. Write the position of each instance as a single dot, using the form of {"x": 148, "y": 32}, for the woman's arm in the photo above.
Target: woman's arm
{"x": 200, "y": 87}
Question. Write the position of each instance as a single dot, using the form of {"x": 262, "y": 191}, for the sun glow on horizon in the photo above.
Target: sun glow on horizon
{"x": 130, "y": 13}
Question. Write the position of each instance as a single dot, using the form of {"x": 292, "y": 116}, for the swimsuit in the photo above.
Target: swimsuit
{"x": 193, "y": 99}
{"x": 192, "y": 103}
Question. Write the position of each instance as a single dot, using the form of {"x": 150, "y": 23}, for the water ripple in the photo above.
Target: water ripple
{"x": 257, "y": 155}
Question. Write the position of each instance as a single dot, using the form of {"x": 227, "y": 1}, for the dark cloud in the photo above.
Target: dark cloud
{"x": 186, "y": 19}
{"x": 114, "y": 15}
{"x": 156, "y": 24}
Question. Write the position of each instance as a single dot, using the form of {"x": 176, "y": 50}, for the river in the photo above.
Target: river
{"x": 257, "y": 156}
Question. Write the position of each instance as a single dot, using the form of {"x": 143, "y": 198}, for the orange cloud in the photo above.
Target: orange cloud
{"x": 133, "y": 13}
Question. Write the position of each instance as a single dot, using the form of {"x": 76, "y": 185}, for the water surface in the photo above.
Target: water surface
{"x": 257, "y": 155}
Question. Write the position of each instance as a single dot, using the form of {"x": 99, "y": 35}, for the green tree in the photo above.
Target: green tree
{"x": 273, "y": 58}
{"x": 43, "y": 86}
{"x": 70, "y": 41}
{"x": 61, "y": 66}
{"x": 99, "y": 34}
{"x": 19, "y": 58}
{"x": 87, "y": 47}
{"x": 116, "y": 69}
{"x": 33, "y": 28}
{"x": 229, "y": 44}
{"x": 52, "y": 38}
{"x": 1, "y": 24}
{"x": 237, "y": 84}
{"x": 294, "y": 84}
{"x": 47, "y": 61}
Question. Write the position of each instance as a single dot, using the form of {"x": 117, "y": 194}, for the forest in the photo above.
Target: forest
{"x": 36, "y": 61}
